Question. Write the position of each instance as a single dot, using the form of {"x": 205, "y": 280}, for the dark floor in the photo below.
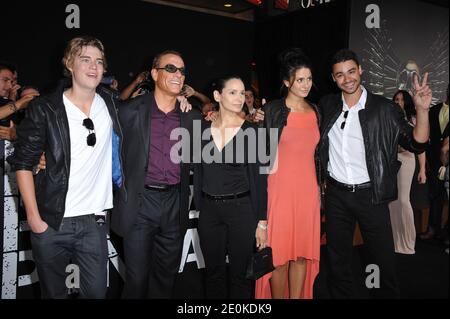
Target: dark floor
{"x": 422, "y": 275}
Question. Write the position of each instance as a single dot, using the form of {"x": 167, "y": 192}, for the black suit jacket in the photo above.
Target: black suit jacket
{"x": 436, "y": 137}
{"x": 257, "y": 180}
{"x": 135, "y": 118}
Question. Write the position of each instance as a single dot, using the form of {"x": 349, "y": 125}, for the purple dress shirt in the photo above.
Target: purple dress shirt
{"x": 161, "y": 170}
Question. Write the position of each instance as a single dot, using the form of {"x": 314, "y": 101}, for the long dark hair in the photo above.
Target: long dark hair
{"x": 409, "y": 108}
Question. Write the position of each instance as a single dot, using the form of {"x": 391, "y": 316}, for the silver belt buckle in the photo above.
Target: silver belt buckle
{"x": 353, "y": 188}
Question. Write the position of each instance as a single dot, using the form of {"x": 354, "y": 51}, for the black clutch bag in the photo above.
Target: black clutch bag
{"x": 260, "y": 263}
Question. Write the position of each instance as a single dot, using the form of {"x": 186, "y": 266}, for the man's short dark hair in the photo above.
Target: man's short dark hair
{"x": 158, "y": 57}
{"x": 344, "y": 55}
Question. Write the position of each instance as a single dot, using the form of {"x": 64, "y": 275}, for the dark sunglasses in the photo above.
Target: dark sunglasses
{"x": 345, "y": 119}
{"x": 91, "y": 139}
{"x": 173, "y": 69}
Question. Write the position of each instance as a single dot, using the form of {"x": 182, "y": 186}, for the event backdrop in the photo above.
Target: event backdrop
{"x": 397, "y": 39}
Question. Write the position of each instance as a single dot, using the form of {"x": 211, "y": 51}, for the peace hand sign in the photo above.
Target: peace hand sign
{"x": 422, "y": 94}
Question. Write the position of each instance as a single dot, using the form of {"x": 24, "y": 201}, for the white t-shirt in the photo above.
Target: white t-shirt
{"x": 90, "y": 180}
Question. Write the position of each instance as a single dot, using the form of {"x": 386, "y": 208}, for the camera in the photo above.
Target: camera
{"x": 147, "y": 85}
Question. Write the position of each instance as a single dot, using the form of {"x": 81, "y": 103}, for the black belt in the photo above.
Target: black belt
{"x": 225, "y": 197}
{"x": 161, "y": 188}
{"x": 348, "y": 187}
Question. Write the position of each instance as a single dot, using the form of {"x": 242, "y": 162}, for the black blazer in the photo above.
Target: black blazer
{"x": 45, "y": 128}
{"x": 276, "y": 114}
{"x": 135, "y": 117}
{"x": 257, "y": 181}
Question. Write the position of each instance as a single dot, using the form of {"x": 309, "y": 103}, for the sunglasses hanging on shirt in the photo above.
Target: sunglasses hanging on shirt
{"x": 345, "y": 119}
{"x": 91, "y": 139}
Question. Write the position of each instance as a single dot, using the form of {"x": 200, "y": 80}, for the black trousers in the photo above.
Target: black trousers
{"x": 437, "y": 196}
{"x": 80, "y": 241}
{"x": 342, "y": 209}
{"x": 153, "y": 246}
{"x": 227, "y": 227}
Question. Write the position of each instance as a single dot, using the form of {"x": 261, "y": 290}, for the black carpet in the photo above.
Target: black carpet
{"x": 422, "y": 275}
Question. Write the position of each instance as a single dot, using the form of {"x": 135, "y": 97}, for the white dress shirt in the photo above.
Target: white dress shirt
{"x": 347, "y": 155}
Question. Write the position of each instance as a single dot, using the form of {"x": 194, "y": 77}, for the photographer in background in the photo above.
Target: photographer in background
{"x": 6, "y": 80}
{"x": 8, "y": 107}
{"x": 140, "y": 85}
{"x": 13, "y": 93}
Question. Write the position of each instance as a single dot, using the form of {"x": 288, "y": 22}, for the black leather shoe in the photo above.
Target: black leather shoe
{"x": 427, "y": 235}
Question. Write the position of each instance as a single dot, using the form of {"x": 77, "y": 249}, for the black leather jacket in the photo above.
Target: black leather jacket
{"x": 45, "y": 128}
{"x": 384, "y": 127}
{"x": 275, "y": 116}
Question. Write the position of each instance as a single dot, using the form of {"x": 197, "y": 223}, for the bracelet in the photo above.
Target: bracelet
{"x": 12, "y": 107}
{"x": 262, "y": 226}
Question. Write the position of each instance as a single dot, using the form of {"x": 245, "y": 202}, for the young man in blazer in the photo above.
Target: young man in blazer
{"x": 75, "y": 127}
{"x": 360, "y": 134}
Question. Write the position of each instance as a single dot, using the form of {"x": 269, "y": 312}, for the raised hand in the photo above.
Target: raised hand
{"x": 259, "y": 116}
{"x": 8, "y": 133}
{"x": 23, "y": 101}
{"x": 141, "y": 77}
{"x": 188, "y": 91}
{"x": 13, "y": 93}
{"x": 422, "y": 94}
{"x": 185, "y": 106}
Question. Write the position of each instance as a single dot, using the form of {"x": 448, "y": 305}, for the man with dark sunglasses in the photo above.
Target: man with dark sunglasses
{"x": 360, "y": 134}
{"x": 172, "y": 69}
{"x": 153, "y": 206}
{"x": 77, "y": 128}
